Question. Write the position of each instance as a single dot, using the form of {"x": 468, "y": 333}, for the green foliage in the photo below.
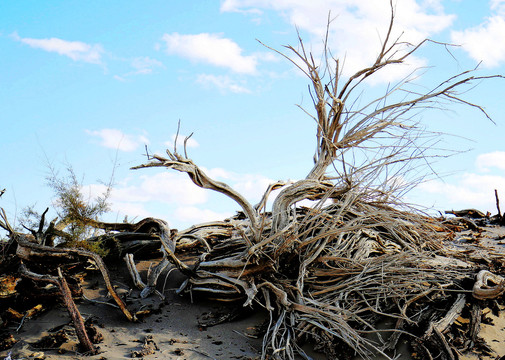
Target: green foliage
{"x": 74, "y": 209}
{"x": 97, "y": 247}
{"x": 71, "y": 204}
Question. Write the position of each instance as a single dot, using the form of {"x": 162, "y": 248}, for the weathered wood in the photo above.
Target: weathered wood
{"x": 469, "y": 213}
{"x": 199, "y": 178}
{"x": 30, "y": 251}
{"x": 488, "y": 285}
{"x": 80, "y": 329}
{"x": 443, "y": 324}
{"x": 475, "y": 321}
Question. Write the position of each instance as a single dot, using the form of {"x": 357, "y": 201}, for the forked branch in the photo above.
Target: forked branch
{"x": 199, "y": 178}
{"x": 342, "y": 127}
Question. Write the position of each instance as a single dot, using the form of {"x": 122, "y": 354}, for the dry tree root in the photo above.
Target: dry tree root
{"x": 327, "y": 274}
{"x": 331, "y": 273}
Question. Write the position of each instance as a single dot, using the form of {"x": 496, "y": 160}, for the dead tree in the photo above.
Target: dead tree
{"x": 321, "y": 272}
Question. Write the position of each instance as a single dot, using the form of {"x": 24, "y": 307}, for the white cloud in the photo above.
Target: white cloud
{"x": 119, "y": 78}
{"x": 173, "y": 188}
{"x": 218, "y": 173}
{"x": 76, "y": 50}
{"x": 491, "y": 160}
{"x": 222, "y": 83}
{"x": 212, "y": 49}
{"x": 239, "y": 6}
{"x": 168, "y": 188}
{"x": 174, "y": 195}
{"x": 145, "y": 65}
{"x": 163, "y": 187}
{"x": 133, "y": 201}
{"x": 485, "y": 42}
{"x": 251, "y": 186}
{"x": 116, "y": 139}
{"x": 467, "y": 190}
{"x": 134, "y": 211}
{"x": 358, "y": 28}
{"x": 123, "y": 201}
{"x": 142, "y": 65}
{"x": 497, "y": 5}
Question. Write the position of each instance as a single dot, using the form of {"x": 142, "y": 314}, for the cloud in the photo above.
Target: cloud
{"x": 119, "y": 78}
{"x": 119, "y": 204}
{"x": 219, "y": 173}
{"x": 252, "y": 186}
{"x": 358, "y": 27}
{"x": 222, "y": 83}
{"x": 167, "y": 187}
{"x": 196, "y": 215}
{"x": 176, "y": 188}
{"x": 491, "y": 160}
{"x": 239, "y": 7}
{"x": 76, "y": 50}
{"x": 211, "y": 49}
{"x": 141, "y": 65}
{"x": 173, "y": 196}
{"x": 467, "y": 190}
{"x": 145, "y": 65}
{"x": 116, "y": 139}
{"x": 134, "y": 211}
{"x": 485, "y": 42}
{"x": 497, "y": 5}
{"x": 166, "y": 194}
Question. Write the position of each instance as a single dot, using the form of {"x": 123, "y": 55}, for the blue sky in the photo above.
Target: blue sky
{"x": 91, "y": 83}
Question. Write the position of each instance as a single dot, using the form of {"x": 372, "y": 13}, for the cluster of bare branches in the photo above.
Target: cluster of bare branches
{"x": 328, "y": 273}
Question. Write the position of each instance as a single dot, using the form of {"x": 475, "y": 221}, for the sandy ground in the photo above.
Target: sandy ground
{"x": 175, "y": 329}
{"x": 493, "y": 329}
{"x": 494, "y": 334}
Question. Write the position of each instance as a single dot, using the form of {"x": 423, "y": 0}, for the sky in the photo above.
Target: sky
{"x": 91, "y": 84}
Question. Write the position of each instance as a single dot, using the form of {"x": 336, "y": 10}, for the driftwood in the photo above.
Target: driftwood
{"x": 468, "y": 213}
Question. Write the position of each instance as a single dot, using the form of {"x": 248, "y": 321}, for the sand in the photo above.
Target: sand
{"x": 174, "y": 328}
